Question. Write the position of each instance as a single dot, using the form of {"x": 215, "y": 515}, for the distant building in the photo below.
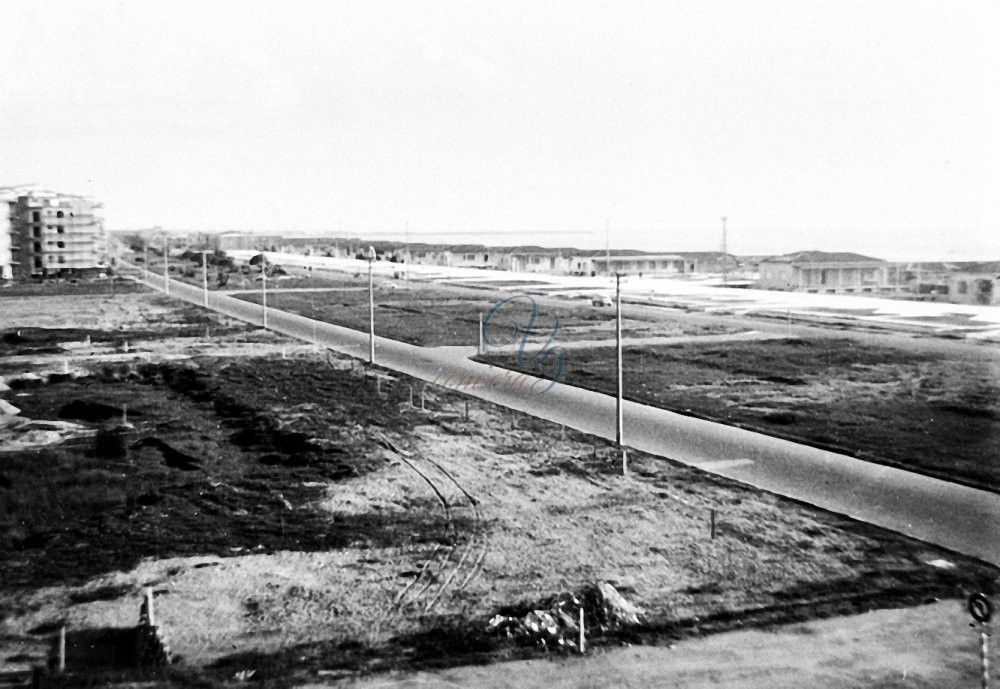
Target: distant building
{"x": 8, "y": 238}
{"x": 974, "y": 283}
{"x": 627, "y": 263}
{"x": 824, "y": 272}
{"x": 534, "y": 259}
{"x": 470, "y": 256}
{"x": 54, "y": 234}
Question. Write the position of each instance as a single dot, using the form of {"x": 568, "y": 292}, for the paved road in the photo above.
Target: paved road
{"x": 953, "y": 516}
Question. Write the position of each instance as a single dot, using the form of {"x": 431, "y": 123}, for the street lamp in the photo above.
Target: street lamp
{"x": 619, "y": 410}
{"x": 725, "y": 278}
{"x": 166, "y": 264}
{"x": 262, "y": 260}
{"x": 371, "y": 307}
{"x": 204, "y": 274}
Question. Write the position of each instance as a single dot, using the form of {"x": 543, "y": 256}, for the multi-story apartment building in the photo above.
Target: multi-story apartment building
{"x": 56, "y": 235}
{"x": 7, "y": 241}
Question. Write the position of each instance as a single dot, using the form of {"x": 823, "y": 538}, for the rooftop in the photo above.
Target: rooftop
{"x": 823, "y": 257}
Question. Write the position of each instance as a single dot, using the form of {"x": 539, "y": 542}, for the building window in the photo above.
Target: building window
{"x": 38, "y": 261}
{"x": 38, "y": 247}
{"x": 62, "y": 259}
{"x": 59, "y": 214}
{"x": 59, "y": 229}
{"x": 36, "y": 216}
{"x": 36, "y": 231}
{"x": 50, "y": 258}
{"x": 963, "y": 287}
{"x": 61, "y": 245}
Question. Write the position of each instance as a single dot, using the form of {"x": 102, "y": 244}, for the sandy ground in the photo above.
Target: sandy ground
{"x": 931, "y": 646}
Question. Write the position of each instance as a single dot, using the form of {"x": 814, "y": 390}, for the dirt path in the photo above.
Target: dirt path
{"x": 928, "y": 646}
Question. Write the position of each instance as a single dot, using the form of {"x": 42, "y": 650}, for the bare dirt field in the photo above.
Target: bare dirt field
{"x": 300, "y": 519}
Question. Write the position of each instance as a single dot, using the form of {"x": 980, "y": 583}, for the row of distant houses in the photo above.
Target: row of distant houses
{"x": 522, "y": 259}
{"x": 805, "y": 271}
{"x": 849, "y": 273}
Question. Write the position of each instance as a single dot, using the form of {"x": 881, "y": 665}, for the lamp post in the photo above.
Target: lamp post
{"x": 204, "y": 274}
{"x": 166, "y": 264}
{"x": 619, "y": 410}
{"x": 371, "y": 306}
{"x": 725, "y": 279}
{"x": 263, "y": 288}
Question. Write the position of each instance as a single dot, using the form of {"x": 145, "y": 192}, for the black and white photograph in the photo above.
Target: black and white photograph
{"x": 436, "y": 344}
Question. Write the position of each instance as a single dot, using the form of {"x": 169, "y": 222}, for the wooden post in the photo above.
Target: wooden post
{"x": 582, "y": 644}
{"x": 984, "y": 656}
{"x": 62, "y": 649}
{"x": 150, "y": 616}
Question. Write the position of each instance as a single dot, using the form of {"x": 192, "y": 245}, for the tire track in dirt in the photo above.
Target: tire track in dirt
{"x": 437, "y": 572}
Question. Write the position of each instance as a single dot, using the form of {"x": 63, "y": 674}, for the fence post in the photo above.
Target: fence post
{"x": 62, "y": 649}
{"x": 984, "y": 655}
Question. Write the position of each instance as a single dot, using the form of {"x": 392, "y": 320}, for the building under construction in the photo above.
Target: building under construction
{"x": 52, "y": 235}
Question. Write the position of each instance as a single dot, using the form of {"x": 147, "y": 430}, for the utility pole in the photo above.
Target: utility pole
{"x": 371, "y": 306}
{"x": 607, "y": 244}
{"x": 263, "y": 288}
{"x": 620, "y": 423}
{"x": 724, "y": 253}
{"x": 166, "y": 267}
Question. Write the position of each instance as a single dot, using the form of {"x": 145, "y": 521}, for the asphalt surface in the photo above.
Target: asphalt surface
{"x": 956, "y": 517}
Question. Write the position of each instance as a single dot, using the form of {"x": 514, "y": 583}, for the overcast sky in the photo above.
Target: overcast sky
{"x": 863, "y": 126}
